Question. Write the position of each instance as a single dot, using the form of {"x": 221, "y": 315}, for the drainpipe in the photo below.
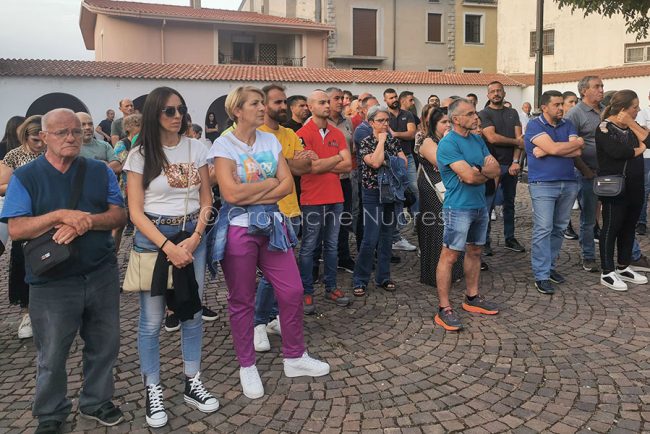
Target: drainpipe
{"x": 162, "y": 41}
{"x": 394, "y": 31}
{"x": 101, "y": 35}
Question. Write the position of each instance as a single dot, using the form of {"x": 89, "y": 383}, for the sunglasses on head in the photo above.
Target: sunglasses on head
{"x": 170, "y": 111}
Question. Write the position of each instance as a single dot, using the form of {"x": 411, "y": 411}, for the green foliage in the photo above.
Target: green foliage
{"x": 634, "y": 11}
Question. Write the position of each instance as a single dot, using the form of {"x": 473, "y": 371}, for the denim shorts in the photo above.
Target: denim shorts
{"x": 464, "y": 226}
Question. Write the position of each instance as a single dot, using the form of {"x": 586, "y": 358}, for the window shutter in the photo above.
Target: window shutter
{"x": 434, "y": 28}
{"x": 364, "y": 33}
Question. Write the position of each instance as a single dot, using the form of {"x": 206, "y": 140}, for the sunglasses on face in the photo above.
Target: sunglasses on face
{"x": 170, "y": 111}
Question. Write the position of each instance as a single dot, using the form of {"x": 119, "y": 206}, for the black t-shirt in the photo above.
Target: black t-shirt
{"x": 105, "y": 126}
{"x": 504, "y": 122}
{"x": 614, "y": 147}
{"x": 399, "y": 125}
{"x": 295, "y": 126}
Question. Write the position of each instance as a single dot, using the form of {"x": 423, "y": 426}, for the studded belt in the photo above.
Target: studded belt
{"x": 173, "y": 221}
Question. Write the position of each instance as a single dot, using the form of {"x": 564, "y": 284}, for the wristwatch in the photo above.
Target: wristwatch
{"x": 480, "y": 169}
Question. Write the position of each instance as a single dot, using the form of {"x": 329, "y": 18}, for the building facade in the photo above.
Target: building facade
{"x": 405, "y": 35}
{"x": 155, "y": 33}
{"x": 572, "y": 42}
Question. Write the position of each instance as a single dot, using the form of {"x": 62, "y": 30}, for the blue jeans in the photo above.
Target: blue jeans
{"x": 152, "y": 312}
{"x": 317, "y": 219}
{"x": 552, "y": 202}
{"x": 464, "y": 226}
{"x": 643, "y": 218}
{"x": 412, "y": 173}
{"x": 379, "y": 222}
{"x": 588, "y": 205}
{"x": 88, "y": 304}
{"x": 266, "y": 305}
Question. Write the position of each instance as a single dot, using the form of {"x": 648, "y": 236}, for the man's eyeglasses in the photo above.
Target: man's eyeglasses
{"x": 62, "y": 134}
{"x": 170, "y": 111}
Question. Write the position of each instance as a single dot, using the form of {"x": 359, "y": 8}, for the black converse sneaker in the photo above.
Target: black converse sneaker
{"x": 197, "y": 396}
{"x": 155, "y": 410}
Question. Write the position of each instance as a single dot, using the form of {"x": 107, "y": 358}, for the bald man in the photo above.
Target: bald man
{"x": 96, "y": 149}
{"x": 321, "y": 199}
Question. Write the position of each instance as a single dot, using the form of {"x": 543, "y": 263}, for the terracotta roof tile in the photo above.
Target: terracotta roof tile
{"x": 571, "y": 76}
{"x": 111, "y": 7}
{"x": 78, "y": 68}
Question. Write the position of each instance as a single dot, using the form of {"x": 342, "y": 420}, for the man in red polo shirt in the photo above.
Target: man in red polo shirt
{"x": 321, "y": 199}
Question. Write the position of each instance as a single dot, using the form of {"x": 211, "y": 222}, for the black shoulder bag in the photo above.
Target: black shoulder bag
{"x": 610, "y": 185}
{"x": 43, "y": 254}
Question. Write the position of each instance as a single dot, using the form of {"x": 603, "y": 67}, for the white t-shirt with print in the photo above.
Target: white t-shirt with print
{"x": 265, "y": 151}
{"x": 166, "y": 193}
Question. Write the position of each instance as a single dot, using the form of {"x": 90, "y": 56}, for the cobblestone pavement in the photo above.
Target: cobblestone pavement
{"x": 577, "y": 361}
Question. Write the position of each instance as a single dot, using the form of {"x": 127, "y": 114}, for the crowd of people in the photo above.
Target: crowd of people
{"x": 282, "y": 188}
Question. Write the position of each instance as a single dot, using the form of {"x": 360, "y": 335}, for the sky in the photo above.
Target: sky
{"x": 49, "y": 29}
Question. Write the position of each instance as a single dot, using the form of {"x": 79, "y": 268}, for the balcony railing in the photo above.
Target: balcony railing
{"x": 229, "y": 59}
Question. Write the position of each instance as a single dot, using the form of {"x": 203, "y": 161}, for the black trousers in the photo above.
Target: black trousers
{"x": 620, "y": 215}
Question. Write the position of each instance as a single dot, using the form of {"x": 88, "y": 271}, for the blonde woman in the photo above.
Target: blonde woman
{"x": 251, "y": 233}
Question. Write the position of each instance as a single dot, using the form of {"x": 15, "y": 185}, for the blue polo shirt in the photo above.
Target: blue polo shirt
{"x": 549, "y": 168}
{"x": 452, "y": 148}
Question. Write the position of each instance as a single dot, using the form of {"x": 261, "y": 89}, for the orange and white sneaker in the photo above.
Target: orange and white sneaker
{"x": 448, "y": 320}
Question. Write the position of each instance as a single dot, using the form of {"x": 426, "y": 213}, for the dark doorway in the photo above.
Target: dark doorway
{"x": 217, "y": 107}
{"x": 138, "y": 103}
{"x": 56, "y": 100}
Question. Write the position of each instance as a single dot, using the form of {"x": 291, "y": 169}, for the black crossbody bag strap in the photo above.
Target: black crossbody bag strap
{"x": 77, "y": 184}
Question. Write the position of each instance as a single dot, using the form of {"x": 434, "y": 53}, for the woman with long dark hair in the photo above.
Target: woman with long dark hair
{"x": 31, "y": 147}
{"x": 211, "y": 127}
{"x": 169, "y": 192}
{"x": 620, "y": 143}
{"x": 251, "y": 233}
{"x": 429, "y": 223}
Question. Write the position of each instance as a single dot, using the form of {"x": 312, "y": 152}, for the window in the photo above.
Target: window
{"x": 364, "y": 32}
{"x": 434, "y": 1}
{"x": 434, "y": 28}
{"x": 548, "y": 42}
{"x": 434, "y": 69}
{"x": 472, "y": 70}
{"x": 637, "y": 53}
{"x": 473, "y": 30}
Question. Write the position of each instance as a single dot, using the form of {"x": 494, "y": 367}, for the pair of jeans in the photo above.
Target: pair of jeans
{"x": 152, "y": 313}
{"x": 620, "y": 215}
{"x": 643, "y": 218}
{"x": 88, "y": 304}
{"x": 588, "y": 205}
{"x": 402, "y": 219}
{"x": 244, "y": 253}
{"x": 266, "y": 305}
{"x": 379, "y": 222}
{"x": 317, "y": 219}
{"x": 552, "y": 202}
{"x": 346, "y": 221}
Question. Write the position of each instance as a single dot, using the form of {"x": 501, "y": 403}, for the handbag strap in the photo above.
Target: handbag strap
{"x": 77, "y": 184}
{"x": 189, "y": 183}
{"x": 624, "y": 168}
{"x": 426, "y": 175}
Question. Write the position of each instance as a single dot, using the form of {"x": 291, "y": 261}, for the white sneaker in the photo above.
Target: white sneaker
{"x": 274, "y": 327}
{"x": 613, "y": 281}
{"x": 251, "y": 383}
{"x": 260, "y": 339}
{"x": 493, "y": 216}
{"x": 25, "y": 328}
{"x": 404, "y": 245}
{"x": 629, "y": 275}
{"x": 305, "y": 366}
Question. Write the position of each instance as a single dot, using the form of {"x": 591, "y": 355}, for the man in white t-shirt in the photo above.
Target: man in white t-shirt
{"x": 643, "y": 119}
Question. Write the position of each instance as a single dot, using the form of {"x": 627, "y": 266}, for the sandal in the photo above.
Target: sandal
{"x": 359, "y": 291}
{"x": 388, "y": 285}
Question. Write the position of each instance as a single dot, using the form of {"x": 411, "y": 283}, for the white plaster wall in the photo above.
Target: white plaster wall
{"x": 581, "y": 43}
{"x": 18, "y": 93}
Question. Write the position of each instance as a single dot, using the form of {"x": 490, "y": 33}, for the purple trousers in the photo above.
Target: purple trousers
{"x": 243, "y": 254}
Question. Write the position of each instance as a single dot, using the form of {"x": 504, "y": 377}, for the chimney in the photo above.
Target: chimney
{"x": 196, "y": 4}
